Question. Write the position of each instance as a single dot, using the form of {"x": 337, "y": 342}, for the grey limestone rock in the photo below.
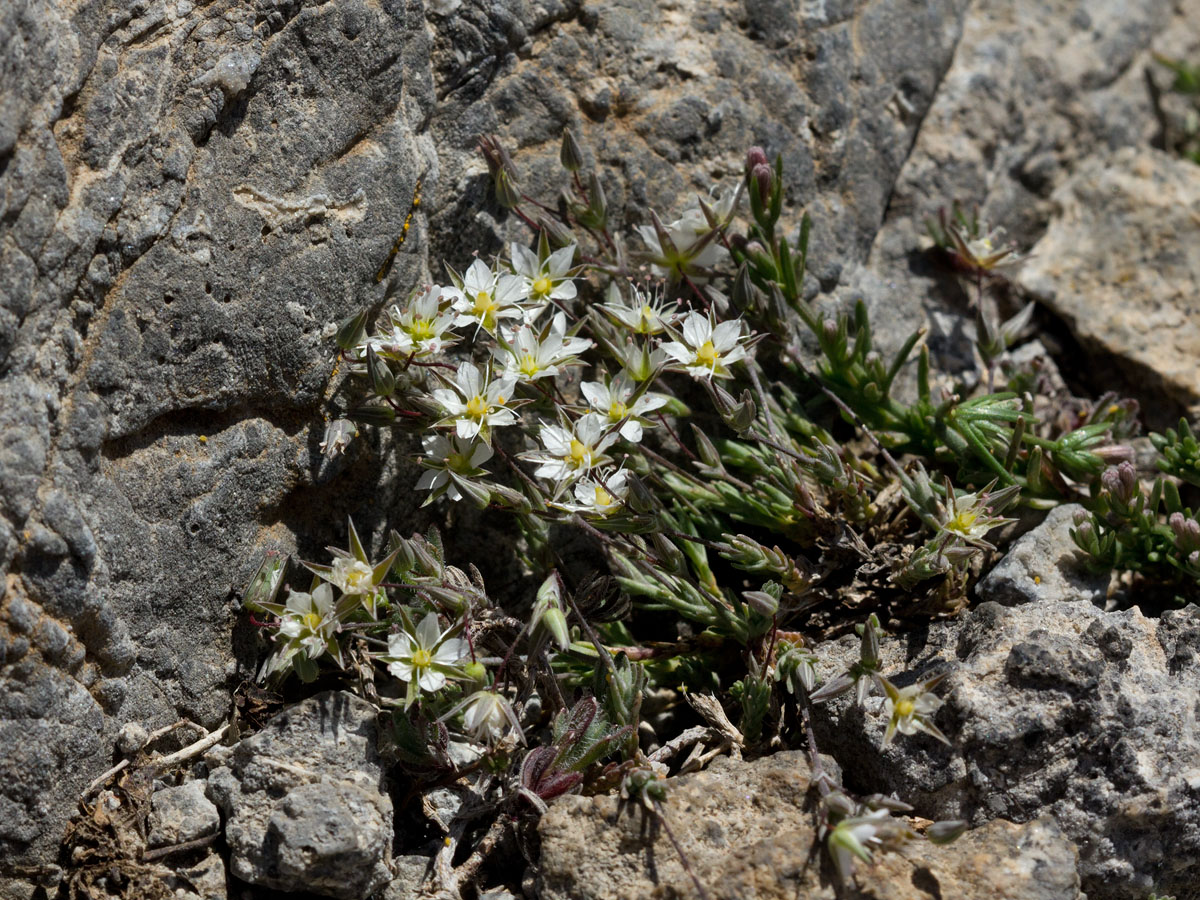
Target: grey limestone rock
{"x": 1034, "y": 90}
{"x": 304, "y": 803}
{"x": 1044, "y": 563}
{"x": 748, "y": 831}
{"x": 190, "y": 193}
{"x": 181, "y": 814}
{"x": 1120, "y": 261}
{"x": 1055, "y": 708}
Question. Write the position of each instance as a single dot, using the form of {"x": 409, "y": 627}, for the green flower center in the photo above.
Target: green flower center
{"x": 617, "y": 411}
{"x": 905, "y": 708}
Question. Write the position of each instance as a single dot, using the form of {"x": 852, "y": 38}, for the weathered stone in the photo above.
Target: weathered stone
{"x": 1053, "y": 707}
{"x": 203, "y": 881}
{"x": 304, "y": 802}
{"x": 1034, "y": 89}
{"x": 180, "y": 814}
{"x": 191, "y": 194}
{"x": 1121, "y": 263}
{"x": 1044, "y": 563}
{"x": 748, "y": 830}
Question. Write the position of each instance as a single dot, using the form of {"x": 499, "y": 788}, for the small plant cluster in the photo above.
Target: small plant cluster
{"x": 744, "y": 462}
{"x": 1183, "y": 131}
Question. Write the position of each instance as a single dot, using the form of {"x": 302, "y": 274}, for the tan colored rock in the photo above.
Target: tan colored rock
{"x": 748, "y": 830}
{"x": 1121, "y": 262}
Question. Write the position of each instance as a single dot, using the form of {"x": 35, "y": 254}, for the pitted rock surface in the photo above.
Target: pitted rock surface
{"x": 1055, "y": 708}
{"x": 748, "y": 830}
{"x": 304, "y": 803}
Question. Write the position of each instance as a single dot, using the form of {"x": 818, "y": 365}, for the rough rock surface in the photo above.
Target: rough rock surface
{"x": 191, "y": 193}
{"x": 1044, "y": 563}
{"x": 304, "y": 804}
{"x": 1054, "y": 708}
{"x": 748, "y": 831}
{"x": 1121, "y": 262}
{"x": 1035, "y": 88}
{"x": 180, "y": 814}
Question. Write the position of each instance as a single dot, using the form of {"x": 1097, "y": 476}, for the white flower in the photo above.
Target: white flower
{"x": 473, "y": 404}
{"x": 529, "y": 355}
{"x": 545, "y": 280}
{"x": 645, "y": 314}
{"x": 692, "y": 250}
{"x": 707, "y": 350}
{"x": 420, "y": 328}
{"x": 571, "y": 452}
{"x": 424, "y": 657}
{"x": 310, "y": 622}
{"x": 487, "y": 297}
{"x": 351, "y": 576}
{"x": 853, "y": 838}
{"x": 487, "y": 716}
{"x": 445, "y": 458}
{"x": 911, "y": 709}
{"x": 601, "y": 494}
{"x": 612, "y": 399}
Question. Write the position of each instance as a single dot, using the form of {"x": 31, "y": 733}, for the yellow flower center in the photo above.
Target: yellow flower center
{"x": 312, "y": 621}
{"x": 648, "y": 321}
{"x": 617, "y": 411}
{"x": 356, "y": 578}
{"x": 529, "y": 366}
{"x": 603, "y": 498}
{"x": 477, "y": 407}
{"x": 459, "y": 462}
{"x": 905, "y": 708}
{"x": 485, "y": 305}
{"x": 422, "y": 330}
{"x": 542, "y": 286}
{"x": 706, "y": 355}
{"x": 421, "y": 658}
{"x": 963, "y": 522}
{"x": 580, "y": 453}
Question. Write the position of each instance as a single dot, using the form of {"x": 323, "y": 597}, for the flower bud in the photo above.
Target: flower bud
{"x": 372, "y": 415}
{"x": 761, "y": 602}
{"x": 761, "y": 180}
{"x": 350, "y": 332}
{"x": 379, "y": 375}
{"x": 570, "y": 155}
{"x": 756, "y": 156}
{"x": 946, "y": 831}
{"x": 558, "y": 234}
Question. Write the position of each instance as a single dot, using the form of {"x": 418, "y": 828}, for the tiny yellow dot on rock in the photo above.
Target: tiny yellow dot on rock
{"x": 1037, "y": 579}
{"x": 204, "y": 439}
